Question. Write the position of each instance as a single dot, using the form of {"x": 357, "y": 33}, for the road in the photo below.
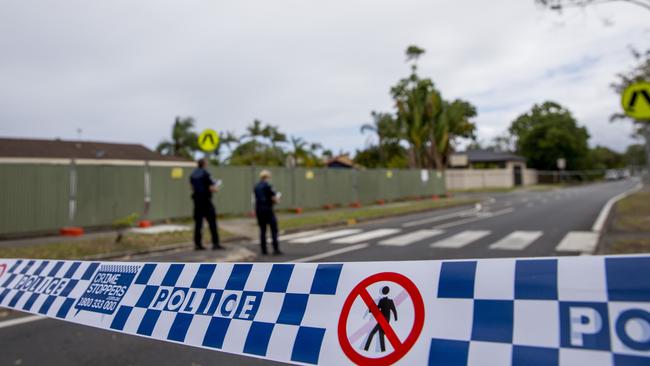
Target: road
{"x": 517, "y": 224}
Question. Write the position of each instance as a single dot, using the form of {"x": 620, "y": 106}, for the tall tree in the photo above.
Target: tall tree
{"x": 548, "y": 132}
{"x": 183, "y": 141}
{"x": 641, "y": 72}
{"x": 428, "y": 123}
{"x": 388, "y": 134}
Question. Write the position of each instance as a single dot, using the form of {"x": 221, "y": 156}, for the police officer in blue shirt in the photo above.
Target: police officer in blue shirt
{"x": 265, "y": 198}
{"x": 202, "y": 188}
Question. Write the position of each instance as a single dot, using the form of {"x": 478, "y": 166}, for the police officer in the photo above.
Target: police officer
{"x": 265, "y": 198}
{"x": 202, "y": 188}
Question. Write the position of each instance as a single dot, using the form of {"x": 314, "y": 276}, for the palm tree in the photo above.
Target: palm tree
{"x": 184, "y": 140}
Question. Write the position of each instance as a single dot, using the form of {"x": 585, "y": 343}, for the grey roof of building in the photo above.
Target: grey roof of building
{"x": 33, "y": 148}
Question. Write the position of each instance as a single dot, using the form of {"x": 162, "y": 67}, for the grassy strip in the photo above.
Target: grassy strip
{"x": 77, "y": 249}
{"x": 631, "y": 246}
{"x": 633, "y": 213}
{"x": 374, "y": 212}
{"x": 484, "y": 190}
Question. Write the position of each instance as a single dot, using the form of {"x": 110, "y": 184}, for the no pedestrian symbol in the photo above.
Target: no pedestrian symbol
{"x": 208, "y": 140}
{"x": 395, "y": 292}
{"x": 636, "y": 101}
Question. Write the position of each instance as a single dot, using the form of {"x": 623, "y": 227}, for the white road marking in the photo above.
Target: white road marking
{"x": 325, "y": 236}
{"x": 530, "y": 204}
{"x": 517, "y": 240}
{"x": 578, "y": 241}
{"x": 330, "y": 253}
{"x": 461, "y": 239}
{"x": 442, "y": 217}
{"x": 410, "y": 238}
{"x": 373, "y": 234}
{"x": 301, "y": 234}
{"x": 482, "y": 216}
{"x": 21, "y": 320}
{"x": 604, "y": 212}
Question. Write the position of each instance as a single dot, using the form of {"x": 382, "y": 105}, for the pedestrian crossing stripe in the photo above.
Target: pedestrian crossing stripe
{"x": 514, "y": 311}
{"x": 369, "y": 235}
{"x": 325, "y": 236}
{"x": 517, "y": 240}
{"x": 461, "y": 239}
{"x": 410, "y": 238}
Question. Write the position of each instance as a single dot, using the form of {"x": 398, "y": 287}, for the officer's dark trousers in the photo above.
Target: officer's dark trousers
{"x": 267, "y": 218}
{"x": 204, "y": 209}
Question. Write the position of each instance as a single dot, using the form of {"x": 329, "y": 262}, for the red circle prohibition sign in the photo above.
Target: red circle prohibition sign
{"x": 400, "y": 348}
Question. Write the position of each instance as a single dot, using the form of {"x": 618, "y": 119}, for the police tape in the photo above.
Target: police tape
{"x": 536, "y": 311}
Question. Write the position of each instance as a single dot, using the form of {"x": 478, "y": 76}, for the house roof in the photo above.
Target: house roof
{"x": 488, "y": 156}
{"x": 341, "y": 160}
{"x": 49, "y": 149}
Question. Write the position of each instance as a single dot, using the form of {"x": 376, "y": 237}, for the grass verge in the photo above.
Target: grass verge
{"x": 630, "y": 246}
{"x": 83, "y": 248}
{"x": 327, "y": 218}
{"x": 633, "y": 213}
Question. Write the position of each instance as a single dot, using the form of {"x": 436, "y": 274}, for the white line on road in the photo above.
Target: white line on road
{"x": 578, "y": 241}
{"x": 299, "y": 235}
{"x": 21, "y": 320}
{"x": 517, "y": 240}
{"x": 604, "y": 212}
{"x": 330, "y": 253}
{"x": 410, "y": 238}
{"x": 442, "y": 217}
{"x": 369, "y": 235}
{"x": 461, "y": 239}
{"x": 486, "y": 215}
{"x": 325, "y": 236}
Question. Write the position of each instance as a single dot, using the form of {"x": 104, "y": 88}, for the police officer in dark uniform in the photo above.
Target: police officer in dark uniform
{"x": 265, "y": 198}
{"x": 202, "y": 188}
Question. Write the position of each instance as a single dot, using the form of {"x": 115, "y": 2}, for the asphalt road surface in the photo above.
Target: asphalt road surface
{"x": 518, "y": 224}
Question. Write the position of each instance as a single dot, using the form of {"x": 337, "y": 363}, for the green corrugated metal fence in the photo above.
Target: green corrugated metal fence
{"x": 42, "y": 198}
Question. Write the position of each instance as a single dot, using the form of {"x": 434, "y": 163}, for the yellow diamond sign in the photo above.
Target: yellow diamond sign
{"x": 636, "y": 101}
{"x": 208, "y": 140}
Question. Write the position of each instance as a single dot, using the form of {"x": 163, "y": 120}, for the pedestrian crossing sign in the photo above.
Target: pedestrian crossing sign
{"x": 208, "y": 140}
{"x": 636, "y": 101}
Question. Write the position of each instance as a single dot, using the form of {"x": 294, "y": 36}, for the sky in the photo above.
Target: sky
{"x": 122, "y": 70}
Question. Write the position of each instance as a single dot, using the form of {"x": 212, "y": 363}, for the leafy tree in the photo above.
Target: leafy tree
{"x": 373, "y": 157}
{"x": 549, "y": 132}
{"x": 184, "y": 140}
{"x": 428, "y": 123}
{"x": 253, "y": 150}
{"x": 388, "y": 134}
{"x": 635, "y": 155}
{"x": 604, "y": 158}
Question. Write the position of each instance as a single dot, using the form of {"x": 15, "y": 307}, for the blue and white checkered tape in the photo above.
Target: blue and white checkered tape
{"x": 538, "y": 311}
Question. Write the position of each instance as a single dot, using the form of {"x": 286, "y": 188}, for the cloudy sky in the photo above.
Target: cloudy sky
{"x": 122, "y": 70}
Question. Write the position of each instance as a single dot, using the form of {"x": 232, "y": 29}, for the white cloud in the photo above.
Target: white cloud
{"x": 122, "y": 70}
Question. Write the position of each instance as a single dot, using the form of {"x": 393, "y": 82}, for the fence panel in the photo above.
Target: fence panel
{"x": 107, "y": 193}
{"x": 33, "y": 198}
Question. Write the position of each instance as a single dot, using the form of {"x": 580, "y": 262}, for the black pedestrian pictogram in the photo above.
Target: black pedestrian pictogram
{"x": 386, "y": 306}
{"x": 208, "y": 136}
{"x": 631, "y": 104}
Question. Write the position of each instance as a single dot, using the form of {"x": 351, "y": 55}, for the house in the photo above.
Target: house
{"x": 499, "y": 169}
{"x": 340, "y": 162}
{"x": 16, "y": 150}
